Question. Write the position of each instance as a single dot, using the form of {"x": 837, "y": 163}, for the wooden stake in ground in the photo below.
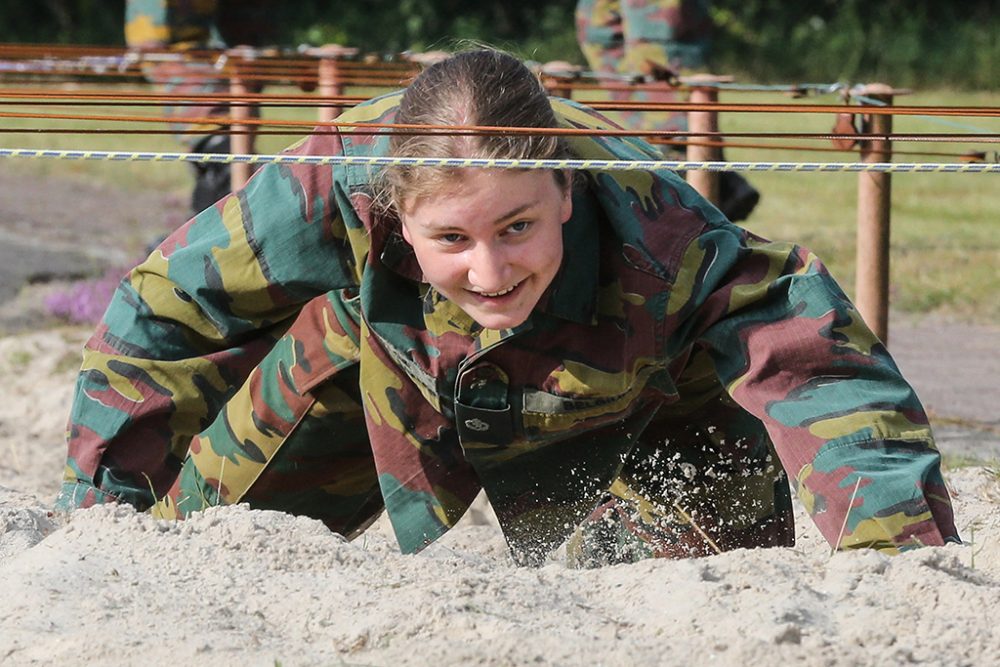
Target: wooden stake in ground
{"x": 705, "y": 182}
{"x": 871, "y": 283}
{"x": 240, "y": 141}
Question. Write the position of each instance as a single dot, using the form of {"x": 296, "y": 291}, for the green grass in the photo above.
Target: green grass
{"x": 135, "y": 176}
{"x": 959, "y": 461}
{"x": 945, "y": 229}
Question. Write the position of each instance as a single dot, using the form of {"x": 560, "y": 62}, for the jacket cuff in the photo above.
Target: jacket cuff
{"x": 78, "y": 495}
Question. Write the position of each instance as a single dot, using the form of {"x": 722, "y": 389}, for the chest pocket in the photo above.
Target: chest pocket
{"x": 546, "y": 414}
{"x": 486, "y": 407}
{"x": 482, "y": 411}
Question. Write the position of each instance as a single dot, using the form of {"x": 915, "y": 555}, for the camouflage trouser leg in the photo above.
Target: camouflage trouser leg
{"x": 675, "y": 33}
{"x": 190, "y": 79}
{"x": 275, "y": 448}
{"x": 183, "y": 28}
{"x": 622, "y": 36}
{"x": 192, "y": 124}
{"x": 600, "y": 34}
{"x": 160, "y": 23}
{"x": 702, "y": 480}
{"x": 625, "y": 36}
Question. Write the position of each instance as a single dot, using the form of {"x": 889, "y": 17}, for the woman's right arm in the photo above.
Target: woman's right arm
{"x": 187, "y": 325}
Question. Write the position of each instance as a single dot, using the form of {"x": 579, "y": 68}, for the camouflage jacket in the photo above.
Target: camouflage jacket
{"x": 653, "y": 276}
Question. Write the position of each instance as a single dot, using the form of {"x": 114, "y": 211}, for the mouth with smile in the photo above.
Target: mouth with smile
{"x": 492, "y": 296}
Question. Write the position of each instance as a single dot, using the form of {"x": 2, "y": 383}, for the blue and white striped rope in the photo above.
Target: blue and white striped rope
{"x": 602, "y": 165}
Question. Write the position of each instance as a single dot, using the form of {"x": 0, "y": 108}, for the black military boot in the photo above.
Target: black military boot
{"x": 211, "y": 179}
{"x": 737, "y": 198}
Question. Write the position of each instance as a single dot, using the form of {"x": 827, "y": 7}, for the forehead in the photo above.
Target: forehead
{"x": 494, "y": 189}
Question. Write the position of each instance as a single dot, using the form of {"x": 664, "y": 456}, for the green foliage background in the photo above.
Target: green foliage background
{"x": 917, "y": 43}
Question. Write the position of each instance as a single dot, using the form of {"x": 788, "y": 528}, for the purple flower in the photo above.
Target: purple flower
{"x": 84, "y": 301}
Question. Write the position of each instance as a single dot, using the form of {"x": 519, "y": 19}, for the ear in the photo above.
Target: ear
{"x": 405, "y": 229}
{"x": 566, "y": 210}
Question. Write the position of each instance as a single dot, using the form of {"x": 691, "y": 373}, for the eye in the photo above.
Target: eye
{"x": 451, "y": 239}
{"x": 519, "y": 227}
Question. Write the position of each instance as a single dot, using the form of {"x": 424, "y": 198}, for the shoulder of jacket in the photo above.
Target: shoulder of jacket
{"x": 381, "y": 109}
{"x": 572, "y": 114}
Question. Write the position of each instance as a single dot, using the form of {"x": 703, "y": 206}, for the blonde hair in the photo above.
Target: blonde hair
{"x": 483, "y": 87}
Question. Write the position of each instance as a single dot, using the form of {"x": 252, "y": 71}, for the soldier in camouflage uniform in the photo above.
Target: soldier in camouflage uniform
{"x": 634, "y": 37}
{"x": 335, "y": 341}
{"x": 185, "y": 25}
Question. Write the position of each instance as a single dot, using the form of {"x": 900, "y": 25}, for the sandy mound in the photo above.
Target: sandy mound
{"x": 232, "y": 586}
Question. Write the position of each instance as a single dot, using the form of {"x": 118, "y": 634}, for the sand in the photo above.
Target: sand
{"x": 234, "y": 586}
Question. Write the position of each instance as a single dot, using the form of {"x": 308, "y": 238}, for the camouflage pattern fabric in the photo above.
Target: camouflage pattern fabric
{"x": 626, "y": 36}
{"x": 623, "y": 35}
{"x": 197, "y": 23}
{"x": 185, "y": 25}
{"x": 163, "y": 23}
{"x": 281, "y": 349}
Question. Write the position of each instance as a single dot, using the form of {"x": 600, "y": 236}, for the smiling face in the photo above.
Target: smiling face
{"x": 491, "y": 242}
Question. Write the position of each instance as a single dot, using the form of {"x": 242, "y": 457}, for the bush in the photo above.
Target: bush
{"x": 915, "y": 43}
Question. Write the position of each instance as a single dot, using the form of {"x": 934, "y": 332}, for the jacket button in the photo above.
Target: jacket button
{"x": 477, "y": 425}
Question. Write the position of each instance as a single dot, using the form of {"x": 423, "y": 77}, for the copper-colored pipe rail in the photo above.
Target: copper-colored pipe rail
{"x": 118, "y": 98}
{"x": 398, "y": 128}
{"x": 290, "y": 133}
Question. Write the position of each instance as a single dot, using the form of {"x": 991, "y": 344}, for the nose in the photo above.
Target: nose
{"x": 489, "y": 267}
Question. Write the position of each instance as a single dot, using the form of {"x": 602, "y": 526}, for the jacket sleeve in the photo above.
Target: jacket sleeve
{"x": 792, "y": 350}
{"x": 186, "y": 326}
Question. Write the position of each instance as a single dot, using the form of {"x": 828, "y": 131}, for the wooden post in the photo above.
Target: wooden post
{"x": 330, "y": 85}
{"x": 557, "y": 77}
{"x": 240, "y": 141}
{"x": 557, "y": 87}
{"x": 705, "y": 182}
{"x": 330, "y": 77}
{"x": 874, "y": 205}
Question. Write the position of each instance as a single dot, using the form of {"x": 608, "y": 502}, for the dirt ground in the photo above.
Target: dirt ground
{"x": 231, "y": 586}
